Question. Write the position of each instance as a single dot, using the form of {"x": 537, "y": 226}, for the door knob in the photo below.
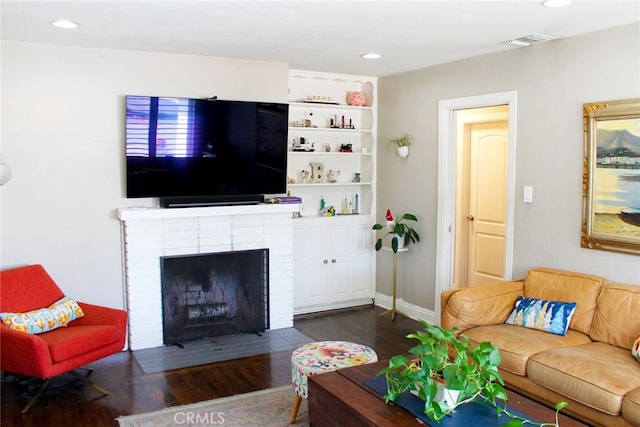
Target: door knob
{"x": 470, "y": 217}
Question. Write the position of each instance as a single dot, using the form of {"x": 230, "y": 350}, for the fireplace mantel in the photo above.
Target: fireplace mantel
{"x": 136, "y": 213}
{"x": 151, "y": 233}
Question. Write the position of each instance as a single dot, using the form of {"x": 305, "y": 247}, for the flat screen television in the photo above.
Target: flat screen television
{"x": 196, "y": 152}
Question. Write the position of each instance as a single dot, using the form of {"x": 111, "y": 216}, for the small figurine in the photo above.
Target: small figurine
{"x": 356, "y": 177}
{"x": 331, "y": 176}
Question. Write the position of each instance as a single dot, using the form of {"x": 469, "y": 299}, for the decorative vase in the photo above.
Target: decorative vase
{"x": 403, "y": 151}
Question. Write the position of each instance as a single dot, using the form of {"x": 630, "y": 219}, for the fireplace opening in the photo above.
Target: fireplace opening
{"x": 210, "y": 295}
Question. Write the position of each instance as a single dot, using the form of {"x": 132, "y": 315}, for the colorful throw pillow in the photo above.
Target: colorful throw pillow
{"x": 548, "y": 316}
{"x": 635, "y": 349}
{"x": 57, "y": 315}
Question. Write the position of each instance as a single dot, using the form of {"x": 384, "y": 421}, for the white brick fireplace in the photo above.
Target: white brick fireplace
{"x": 151, "y": 233}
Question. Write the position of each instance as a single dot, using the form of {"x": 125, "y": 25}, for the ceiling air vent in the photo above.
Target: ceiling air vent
{"x": 530, "y": 39}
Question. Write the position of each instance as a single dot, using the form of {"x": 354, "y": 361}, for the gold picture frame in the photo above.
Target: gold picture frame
{"x": 611, "y": 176}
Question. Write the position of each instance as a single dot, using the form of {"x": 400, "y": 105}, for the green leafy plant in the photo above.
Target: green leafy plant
{"x": 403, "y": 141}
{"x": 444, "y": 357}
{"x": 398, "y": 229}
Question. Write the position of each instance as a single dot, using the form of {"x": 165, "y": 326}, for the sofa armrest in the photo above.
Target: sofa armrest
{"x": 24, "y": 353}
{"x": 99, "y": 315}
{"x": 479, "y": 305}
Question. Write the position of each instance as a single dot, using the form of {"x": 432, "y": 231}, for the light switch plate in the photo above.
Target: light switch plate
{"x": 527, "y": 194}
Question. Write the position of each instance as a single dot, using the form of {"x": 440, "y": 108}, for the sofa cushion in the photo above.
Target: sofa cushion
{"x": 76, "y": 340}
{"x": 57, "y": 315}
{"x": 631, "y": 407}
{"x": 560, "y": 285}
{"x": 518, "y": 344}
{"x": 547, "y": 316}
{"x": 597, "y": 375}
{"x": 616, "y": 320}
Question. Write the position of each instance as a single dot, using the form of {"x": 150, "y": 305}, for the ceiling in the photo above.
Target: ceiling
{"x": 311, "y": 34}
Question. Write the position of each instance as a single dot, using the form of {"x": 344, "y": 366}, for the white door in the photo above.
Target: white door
{"x": 482, "y": 196}
{"x": 487, "y": 222}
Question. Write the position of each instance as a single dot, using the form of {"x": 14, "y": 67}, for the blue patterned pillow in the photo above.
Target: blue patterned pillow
{"x": 57, "y": 315}
{"x": 548, "y": 316}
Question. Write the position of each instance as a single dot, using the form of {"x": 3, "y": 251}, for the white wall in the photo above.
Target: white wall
{"x": 552, "y": 81}
{"x": 63, "y": 136}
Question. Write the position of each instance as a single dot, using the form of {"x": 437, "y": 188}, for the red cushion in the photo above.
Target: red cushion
{"x": 27, "y": 288}
{"x": 72, "y": 341}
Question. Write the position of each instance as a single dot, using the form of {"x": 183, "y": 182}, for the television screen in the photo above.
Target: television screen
{"x": 222, "y": 151}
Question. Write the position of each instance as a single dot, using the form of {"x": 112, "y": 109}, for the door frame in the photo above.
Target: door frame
{"x": 447, "y": 169}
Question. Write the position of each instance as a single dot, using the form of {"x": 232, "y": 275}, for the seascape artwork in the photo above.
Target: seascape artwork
{"x": 616, "y": 183}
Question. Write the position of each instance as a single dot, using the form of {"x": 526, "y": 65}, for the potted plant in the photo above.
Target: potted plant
{"x": 445, "y": 360}
{"x": 400, "y": 232}
{"x": 402, "y": 143}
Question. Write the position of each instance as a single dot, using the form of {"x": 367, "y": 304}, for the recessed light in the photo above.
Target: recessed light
{"x": 556, "y": 3}
{"x": 371, "y": 55}
{"x": 65, "y": 24}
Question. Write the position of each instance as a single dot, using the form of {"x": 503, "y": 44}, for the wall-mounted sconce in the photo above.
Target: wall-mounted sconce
{"x": 5, "y": 173}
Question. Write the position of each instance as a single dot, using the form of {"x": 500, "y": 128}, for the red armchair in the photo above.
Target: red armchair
{"x": 99, "y": 333}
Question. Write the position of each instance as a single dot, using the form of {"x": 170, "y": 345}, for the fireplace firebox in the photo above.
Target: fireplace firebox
{"x": 215, "y": 294}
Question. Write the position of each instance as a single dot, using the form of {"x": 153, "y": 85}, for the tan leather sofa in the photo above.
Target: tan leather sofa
{"x": 591, "y": 367}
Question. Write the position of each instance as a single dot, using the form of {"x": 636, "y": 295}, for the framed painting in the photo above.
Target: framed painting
{"x": 611, "y": 177}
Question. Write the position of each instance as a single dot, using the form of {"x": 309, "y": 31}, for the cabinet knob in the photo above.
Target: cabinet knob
{"x": 325, "y": 261}
{"x": 470, "y": 217}
{"x": 333, "y": 260}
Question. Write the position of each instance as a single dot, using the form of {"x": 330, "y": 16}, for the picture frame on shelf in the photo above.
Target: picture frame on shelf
{"x": 611, "y": 176}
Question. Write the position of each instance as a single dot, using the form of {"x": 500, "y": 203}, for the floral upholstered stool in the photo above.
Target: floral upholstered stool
{"x": 325, "y": 356}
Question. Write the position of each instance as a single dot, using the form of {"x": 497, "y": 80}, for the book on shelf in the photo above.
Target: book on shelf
{"x": 285, "y": 199}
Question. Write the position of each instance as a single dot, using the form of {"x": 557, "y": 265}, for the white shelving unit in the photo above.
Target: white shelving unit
{"x": 334, "y": 259}
{"x": 313, "y": 120}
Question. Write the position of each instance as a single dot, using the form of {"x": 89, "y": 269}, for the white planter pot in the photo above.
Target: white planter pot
{"x": 400, "y": 241}
{"x": 443, "y": 394}
{"x": 403, "y": 151}
{"x": 450, "y": 397}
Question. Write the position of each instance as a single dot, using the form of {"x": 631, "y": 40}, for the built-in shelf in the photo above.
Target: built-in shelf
{"x": 331, "y": 184}
{"x": 324, "y": 153}
{"x": 327, "y": 106}
{"x": 319, "y": 129}
{"x": 334, "y": 261}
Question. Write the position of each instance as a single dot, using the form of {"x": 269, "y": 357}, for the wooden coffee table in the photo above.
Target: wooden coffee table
{"x": 341, "y": 399}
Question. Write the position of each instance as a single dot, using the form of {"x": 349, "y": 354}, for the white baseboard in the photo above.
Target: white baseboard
{"x": 411, "y": 310}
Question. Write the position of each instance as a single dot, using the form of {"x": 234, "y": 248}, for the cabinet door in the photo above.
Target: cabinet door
{"x": 351, "y": 279}
{"x": 310, "y": 264}
{"x": 351, "y": 259}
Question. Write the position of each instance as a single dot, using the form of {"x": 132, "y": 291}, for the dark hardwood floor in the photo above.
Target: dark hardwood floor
{"x": 65, "y": 403}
